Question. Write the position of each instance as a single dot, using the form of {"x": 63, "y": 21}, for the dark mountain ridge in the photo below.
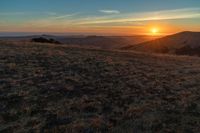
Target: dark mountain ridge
{"x": 181, "y": 43}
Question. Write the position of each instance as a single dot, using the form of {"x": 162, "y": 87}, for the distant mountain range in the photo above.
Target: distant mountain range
{"x": 183, "y": 43}
{"x": 102, "y": 42}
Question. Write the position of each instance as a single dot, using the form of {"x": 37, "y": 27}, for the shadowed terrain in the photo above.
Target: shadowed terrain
{"x": 57, "y": 88}
{"x": 183, "y": 43}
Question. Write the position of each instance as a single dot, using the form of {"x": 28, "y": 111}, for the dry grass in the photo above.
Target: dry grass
{"x": 55, "y": 88}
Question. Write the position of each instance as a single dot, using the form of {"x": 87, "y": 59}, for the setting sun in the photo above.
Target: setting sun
{"x": 154, "y": 31}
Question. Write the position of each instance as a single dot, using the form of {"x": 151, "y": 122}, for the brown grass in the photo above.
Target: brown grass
{"x": 57, "y": 88}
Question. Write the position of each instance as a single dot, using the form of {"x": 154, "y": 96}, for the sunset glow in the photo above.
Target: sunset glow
{"x": 154, "y": 31}
{"x": 99, "y": 17}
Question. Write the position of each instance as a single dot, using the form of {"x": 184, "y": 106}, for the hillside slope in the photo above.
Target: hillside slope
{"x": 181, "y": 43}
{"x": 56, "y": 88}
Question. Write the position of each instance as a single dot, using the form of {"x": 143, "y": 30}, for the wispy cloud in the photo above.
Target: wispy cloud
{"x": 147, "y": 16}
{"x": 136, "y": 20}
{"x": 109, "y": 11}
{"x": 64, "y": 16}
{"x": 52, "y": 15}
{"x": 82, "y": 21}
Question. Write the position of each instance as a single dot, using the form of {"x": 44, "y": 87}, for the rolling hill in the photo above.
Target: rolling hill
{"x": 59, "y": 88}
{"x": 184, "y": 43}
{"x": 101, "y": 42}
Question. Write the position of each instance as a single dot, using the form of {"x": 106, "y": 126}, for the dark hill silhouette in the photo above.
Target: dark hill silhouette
{"x": 45, "y": 40}
{"x": 186, "y": 43}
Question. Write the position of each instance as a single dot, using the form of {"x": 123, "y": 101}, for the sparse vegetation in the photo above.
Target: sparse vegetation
{"x": 187, "y": 50}
{"x": 56, "y": 88}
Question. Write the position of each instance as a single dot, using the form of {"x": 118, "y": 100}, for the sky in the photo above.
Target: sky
{"x": 105, "y": 17}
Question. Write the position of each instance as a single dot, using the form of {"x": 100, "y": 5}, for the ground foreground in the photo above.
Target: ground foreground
{"x": 55, "y": 88}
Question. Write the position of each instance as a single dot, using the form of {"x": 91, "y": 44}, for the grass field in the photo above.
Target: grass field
{"x": 57, "y": 88}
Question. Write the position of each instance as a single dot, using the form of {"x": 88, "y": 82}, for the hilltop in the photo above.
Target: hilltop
{"x": 183, "y": 43}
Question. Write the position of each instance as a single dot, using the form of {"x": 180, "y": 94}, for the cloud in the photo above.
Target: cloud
{"x": 185, "y": 13}
{"x": 125, "y": 19}
{"x": 58, "y": 22}
{"x": 109, "y": 11}
{"x": 65, "y": 16}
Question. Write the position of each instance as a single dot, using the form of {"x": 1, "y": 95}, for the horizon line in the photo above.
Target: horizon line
{"x": 21, "y": 34}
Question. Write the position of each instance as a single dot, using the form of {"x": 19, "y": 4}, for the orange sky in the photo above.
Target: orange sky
{"x": 129, "y": 20}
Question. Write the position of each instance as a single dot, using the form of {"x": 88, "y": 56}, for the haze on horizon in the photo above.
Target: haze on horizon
{"x": 113, "y": 17}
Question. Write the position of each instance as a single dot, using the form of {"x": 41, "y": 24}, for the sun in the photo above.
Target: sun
{"x": 154, "y": 31}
